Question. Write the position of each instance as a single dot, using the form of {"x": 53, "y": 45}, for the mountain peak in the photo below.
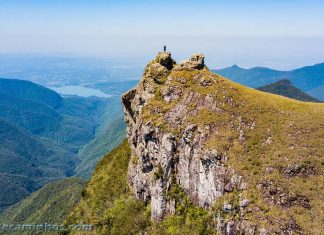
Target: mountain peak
{"x": 235, "y": 66}
{"x": 159, "y": 68}
{"x": 286, "y": 88}
{"x": 165, "y": 59}
{"x": 195, "y": 62}
{"x": 285, "y": 81}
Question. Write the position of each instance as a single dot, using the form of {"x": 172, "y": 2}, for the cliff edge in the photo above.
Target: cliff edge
{"x": 205, "y": 155}
{"x": 253, "y": 157}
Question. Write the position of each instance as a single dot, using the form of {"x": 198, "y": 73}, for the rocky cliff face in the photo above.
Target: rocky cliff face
{"x": 161, "y": 155}
{"x": 221, "y": 144}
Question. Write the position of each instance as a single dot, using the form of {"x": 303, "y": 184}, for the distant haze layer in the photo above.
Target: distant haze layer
{"x": 278, "y": 34}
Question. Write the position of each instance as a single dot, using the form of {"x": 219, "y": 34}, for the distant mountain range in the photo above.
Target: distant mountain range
{"x": 42, "y": 134}
{"x": 309, "y": 79}
{"x": 286, "y": 88}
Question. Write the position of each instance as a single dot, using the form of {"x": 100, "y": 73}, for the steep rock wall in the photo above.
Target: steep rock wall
{"x": 159, "y": 157}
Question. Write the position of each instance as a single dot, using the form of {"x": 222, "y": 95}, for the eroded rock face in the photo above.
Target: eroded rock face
{"x": 161, "y": 158}
{"x": 196, "y": 62}
{"x": 195, "y": 133}
{"x": 164, "y": 58}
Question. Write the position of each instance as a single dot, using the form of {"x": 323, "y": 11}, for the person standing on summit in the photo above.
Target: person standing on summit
{"x": 164, "y": 48}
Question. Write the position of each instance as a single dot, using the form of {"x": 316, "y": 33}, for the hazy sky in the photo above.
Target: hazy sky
{"x": 278, "y": 33}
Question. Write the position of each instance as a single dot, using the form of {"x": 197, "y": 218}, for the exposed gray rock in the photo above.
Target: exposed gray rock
{"x": 171, "y": 93}
{"x": 188, "y": 134}
{"x": 244, "y": 202}
{"x": 227, "y": 207}
{"x": 248, "y": 227}
{"x": 196, "y": 62}
{"x": 163, "y": 157}
{"x": 303, "y": 170}
{"x": 231, "y": 228}
{"x": 206, "y": 81}
{"x": 165, "y": 59}
{"x": 263, "y": 231}
{"x": 283, "y": 197}
{"x": 158, "y": 201}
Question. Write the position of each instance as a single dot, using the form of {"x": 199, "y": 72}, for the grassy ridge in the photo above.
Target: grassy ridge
{"x": 106, "y": 202}
{"x": 263, "y": 135}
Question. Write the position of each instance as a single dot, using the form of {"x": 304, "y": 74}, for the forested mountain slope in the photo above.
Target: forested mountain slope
{"x": 42, "y": 134}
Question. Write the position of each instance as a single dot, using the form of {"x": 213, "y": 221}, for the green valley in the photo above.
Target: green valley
{"x": 45, "y": 136}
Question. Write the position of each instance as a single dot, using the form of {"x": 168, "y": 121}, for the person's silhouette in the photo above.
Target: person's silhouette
{"x": 164, "y": 48}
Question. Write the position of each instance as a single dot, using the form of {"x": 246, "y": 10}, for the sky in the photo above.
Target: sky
{"x": 278, "y": 34}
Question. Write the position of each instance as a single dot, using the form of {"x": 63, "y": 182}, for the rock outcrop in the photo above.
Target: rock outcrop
{"x": 189, "y": 128}
{"x": 196, "y": 62}
{"x": 162, "y": 158}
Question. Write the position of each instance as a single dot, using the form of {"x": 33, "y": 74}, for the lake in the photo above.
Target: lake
{"x": 79, "y": 91}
